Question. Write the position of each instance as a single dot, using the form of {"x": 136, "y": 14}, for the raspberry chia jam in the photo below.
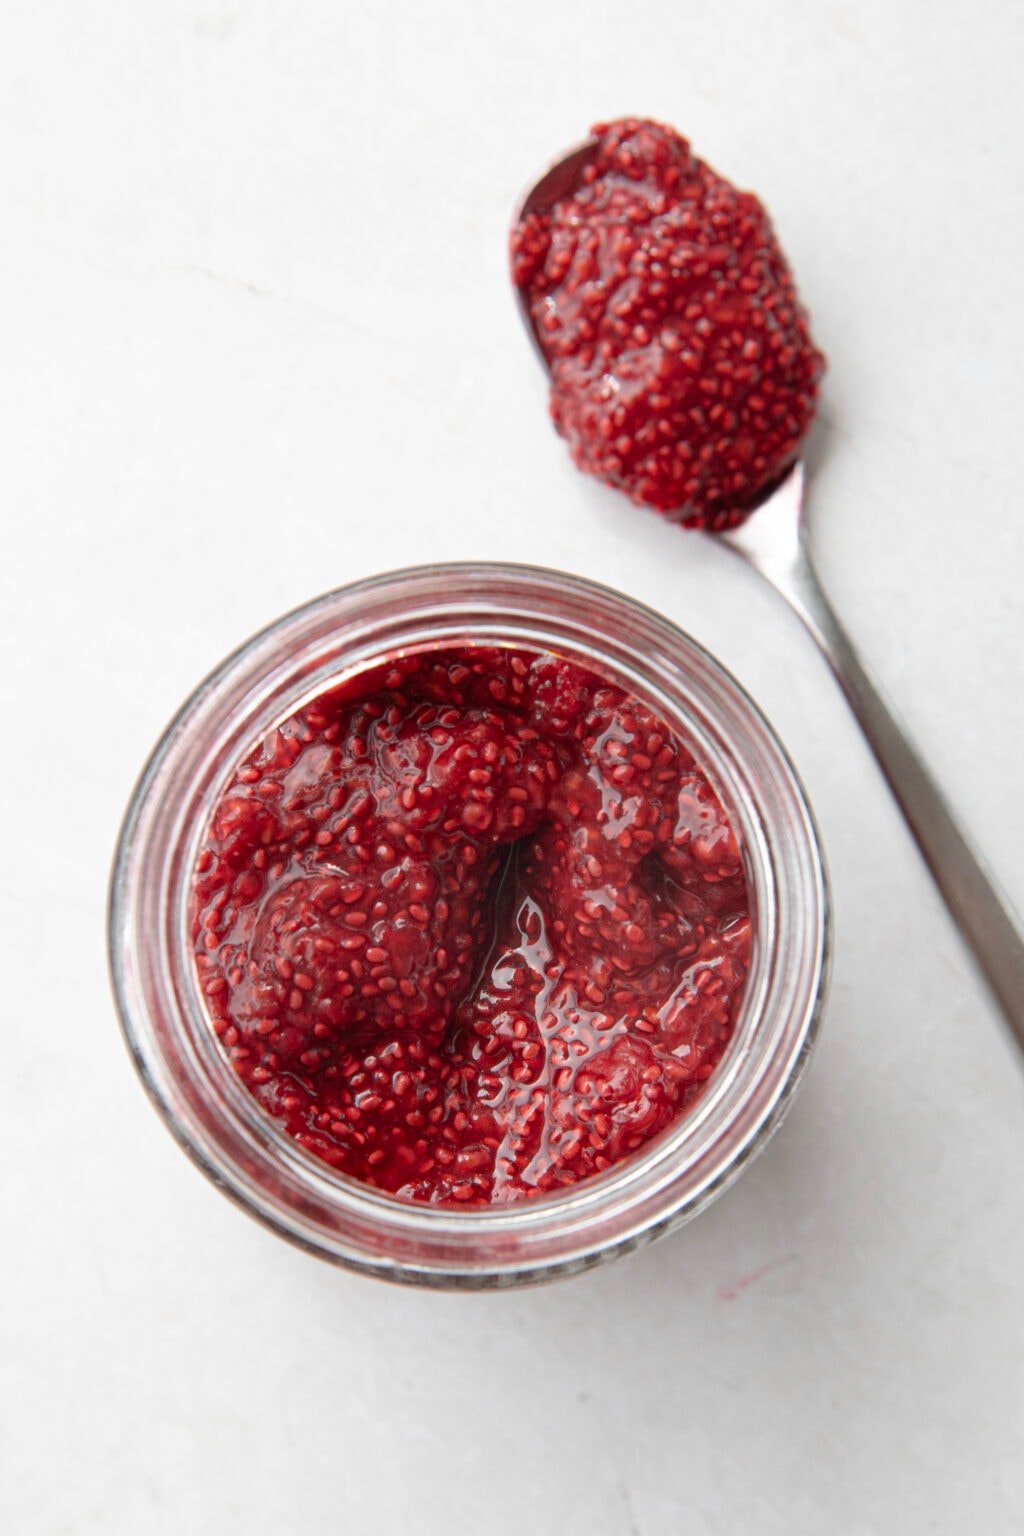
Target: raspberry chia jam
{"x": 682, "y": 367}
{"x": 474, "y": 926}
{"x": 469, "y": 926}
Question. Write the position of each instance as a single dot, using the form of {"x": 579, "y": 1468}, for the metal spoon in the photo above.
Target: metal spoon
{"x": 774, "y": 541}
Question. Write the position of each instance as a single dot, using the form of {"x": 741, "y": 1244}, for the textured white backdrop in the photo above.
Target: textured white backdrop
{"x": 256, "y": 340}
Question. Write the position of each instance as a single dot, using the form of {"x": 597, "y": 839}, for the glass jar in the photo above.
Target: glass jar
{"x": 220, "y": 1124}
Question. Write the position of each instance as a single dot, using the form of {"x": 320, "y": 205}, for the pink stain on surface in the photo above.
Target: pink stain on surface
{"x": 733, "y": 1291}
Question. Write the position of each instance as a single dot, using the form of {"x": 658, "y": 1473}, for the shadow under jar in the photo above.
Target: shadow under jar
{"x": 245, "y": 1151}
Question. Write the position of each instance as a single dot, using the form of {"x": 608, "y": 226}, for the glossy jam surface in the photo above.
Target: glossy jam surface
{"x": 682, "y": 367}
{"x": 473, "y": 926}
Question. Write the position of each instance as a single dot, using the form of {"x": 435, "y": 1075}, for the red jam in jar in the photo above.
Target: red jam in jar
{"x": 472, "y": 926}
{"x": 682, "y": 368}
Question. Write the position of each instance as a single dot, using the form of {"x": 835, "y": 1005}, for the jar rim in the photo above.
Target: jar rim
{"x": 236, "y": 1142}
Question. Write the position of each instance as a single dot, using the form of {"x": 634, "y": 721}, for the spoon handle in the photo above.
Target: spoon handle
{"x": 978, "y": 906}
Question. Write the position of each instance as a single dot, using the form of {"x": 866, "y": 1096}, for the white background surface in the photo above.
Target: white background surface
{"x": 257, "y": 340}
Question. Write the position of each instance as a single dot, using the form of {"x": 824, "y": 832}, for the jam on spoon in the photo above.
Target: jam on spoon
{"x": 682, "y": 369}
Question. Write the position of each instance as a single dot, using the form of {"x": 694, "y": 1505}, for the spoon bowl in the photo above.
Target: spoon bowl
{"x": 560, "y": 179}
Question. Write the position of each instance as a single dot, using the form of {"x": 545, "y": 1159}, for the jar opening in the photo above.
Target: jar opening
{"x": 294, "y": 662}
